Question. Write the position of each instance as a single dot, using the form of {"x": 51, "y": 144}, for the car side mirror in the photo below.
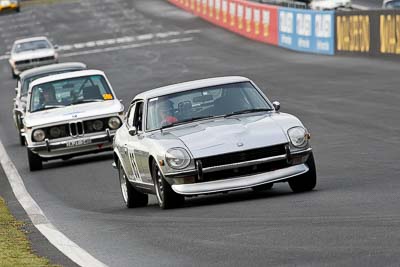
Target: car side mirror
{"x": 16, "y": 91}
{"x": 277, "y": 105}
{"x": 56, "y": 47}
{"x": 132, "y": 130}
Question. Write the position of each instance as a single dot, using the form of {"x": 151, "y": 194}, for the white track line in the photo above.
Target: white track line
{"x": 122, "y": 47}
{"x": 39, "y": 220}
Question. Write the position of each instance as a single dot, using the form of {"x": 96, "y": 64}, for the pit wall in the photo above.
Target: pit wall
{"x": 321, "y": 32}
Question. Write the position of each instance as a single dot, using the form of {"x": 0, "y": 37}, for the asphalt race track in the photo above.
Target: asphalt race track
{"x": 350, "y": 105}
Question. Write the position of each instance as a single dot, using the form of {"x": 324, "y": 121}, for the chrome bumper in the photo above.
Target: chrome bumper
{"x": 240, "y": 182}
{"x": 22, "y": 67}
{"x": 48, "y": 146}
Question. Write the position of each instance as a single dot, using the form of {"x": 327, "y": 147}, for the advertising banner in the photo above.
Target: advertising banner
{"x": 255, "y": 21}
{"x": 306, "y": 30}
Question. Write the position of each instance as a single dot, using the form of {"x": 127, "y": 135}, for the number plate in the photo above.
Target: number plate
{"x": 79, "y": 142}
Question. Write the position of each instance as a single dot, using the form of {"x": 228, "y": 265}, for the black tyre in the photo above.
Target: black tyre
{"x": 35, "y": 162}
{"x": 262, "y": 187}
{"x": 131, "y": 196}
{"x": 167, "y": 198}
{"x": 20, "y": 126}
{"x": 21, "y": 140}
{"x": 18, "y": 10}
{"x": 15, "y": 76}
{"x": 307, "y": 181}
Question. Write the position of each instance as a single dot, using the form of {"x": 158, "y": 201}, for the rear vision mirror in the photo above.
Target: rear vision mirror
{"x": 277, "y": 105}
{"x": 132, "y": 130}
{"x": 203, "y": 98}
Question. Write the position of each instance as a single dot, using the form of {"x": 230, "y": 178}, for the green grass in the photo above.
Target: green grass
{"x": 15, "y": 249}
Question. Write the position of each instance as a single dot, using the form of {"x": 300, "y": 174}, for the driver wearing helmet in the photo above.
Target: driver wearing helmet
{"x": 47, "y": 96}
{"x": 166, "y": 113}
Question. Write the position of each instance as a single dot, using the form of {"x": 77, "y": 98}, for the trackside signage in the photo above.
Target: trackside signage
{"x": 253, "y": 20}
{"x": 306, "y": 30}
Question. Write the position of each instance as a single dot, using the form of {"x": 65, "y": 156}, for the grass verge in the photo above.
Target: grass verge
{"x": 15, "y": 249}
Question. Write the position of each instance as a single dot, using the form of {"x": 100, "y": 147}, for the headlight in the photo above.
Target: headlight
{"x": 98, "y": 125}
{"x": 114, "y": 123}
{"x": 55, "y": 132}
{"x": 177, "y": 158}
{"x": 298, "y": 136}
{"x": 38, "y": 135}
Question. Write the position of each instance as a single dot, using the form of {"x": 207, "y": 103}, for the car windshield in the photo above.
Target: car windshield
{"x": 393, "y": 4}
{"x": 208, "y": 102}
{"x": 31, "y": 46}
{"x": 28, "y": 81}
{"x": 71, "y": 91}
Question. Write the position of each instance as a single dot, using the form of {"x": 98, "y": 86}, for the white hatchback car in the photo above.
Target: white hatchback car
{"x": 329, "y": 4}
{"x": 70, "y": 114}
{"x": 31, "y": 52}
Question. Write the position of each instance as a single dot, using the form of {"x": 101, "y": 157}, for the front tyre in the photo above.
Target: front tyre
{"x": 167, "y": 198}
{"x": 307, "y": 181}
{"x": 15, "y": 76}
{"x": 35, "y": 162}
{"x": 131, "y": 196}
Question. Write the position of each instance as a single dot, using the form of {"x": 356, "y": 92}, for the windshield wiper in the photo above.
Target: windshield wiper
{"x": 247, "y": 111}
{"x": 86, "y": 101}
{"x": 48, "y": 107}
{"x": 187, "y": 120}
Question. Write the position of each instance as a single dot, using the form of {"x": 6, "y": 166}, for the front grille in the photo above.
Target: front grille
{"x": 22, "y": 62}
{"x": 243, "y": 171}
{"x": 76, "y": 129}
{"x": 46, "y": 58}
{"x": 35, "y": 60}
{"x": 241, "y": 156}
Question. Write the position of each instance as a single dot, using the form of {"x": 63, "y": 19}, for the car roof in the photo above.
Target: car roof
{"x": 31, "y": 39}
{"x": 52, "y": 68}
{"x": 67, "y": 75}
{"x": 186, "y": 86}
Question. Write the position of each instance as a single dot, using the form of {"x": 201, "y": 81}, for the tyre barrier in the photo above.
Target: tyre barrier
{"x": 372, "y": 32}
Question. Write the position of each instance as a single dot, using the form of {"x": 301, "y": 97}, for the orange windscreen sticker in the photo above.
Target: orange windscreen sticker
{"x": 107, "y": 96}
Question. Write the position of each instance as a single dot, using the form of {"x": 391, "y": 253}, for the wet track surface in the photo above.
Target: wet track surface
{"x": 350, "y": 105}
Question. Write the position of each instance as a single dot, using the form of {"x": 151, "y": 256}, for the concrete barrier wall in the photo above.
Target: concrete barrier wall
{"x": 375, "y": 32}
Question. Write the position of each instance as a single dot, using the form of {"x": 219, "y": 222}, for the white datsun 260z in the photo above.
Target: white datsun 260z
{"x": 208, "y": 136}
{"x": 70, "y": 114}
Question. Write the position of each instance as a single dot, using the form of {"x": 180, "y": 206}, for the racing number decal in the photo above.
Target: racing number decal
{"x": 135, "y": 170}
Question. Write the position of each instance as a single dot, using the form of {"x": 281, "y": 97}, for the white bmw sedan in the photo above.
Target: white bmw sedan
{"x": 70, "y": 114}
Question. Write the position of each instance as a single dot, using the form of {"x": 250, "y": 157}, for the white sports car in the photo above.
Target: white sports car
{"x": 70, "y": 114}
{"x": 209, "y": 136}
{"x": 31, "y": 52}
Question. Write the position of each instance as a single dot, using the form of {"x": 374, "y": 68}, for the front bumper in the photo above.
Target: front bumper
{"x": 281, "y": 167}
{"x": 21, "y": 67}
{"x": 240, "y": 182}
{"x": 60, "y": 149}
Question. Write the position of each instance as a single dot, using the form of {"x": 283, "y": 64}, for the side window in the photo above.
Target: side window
{"x": 138, "y": 119}
{"x": 130, "y": 115}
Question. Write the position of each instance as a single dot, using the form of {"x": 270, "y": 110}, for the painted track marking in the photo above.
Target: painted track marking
{"x": 39, "y": 220}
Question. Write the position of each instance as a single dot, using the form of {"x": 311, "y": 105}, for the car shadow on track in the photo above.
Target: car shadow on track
{"x": 239, "y": 196}
{"x": 78, "y": 161}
